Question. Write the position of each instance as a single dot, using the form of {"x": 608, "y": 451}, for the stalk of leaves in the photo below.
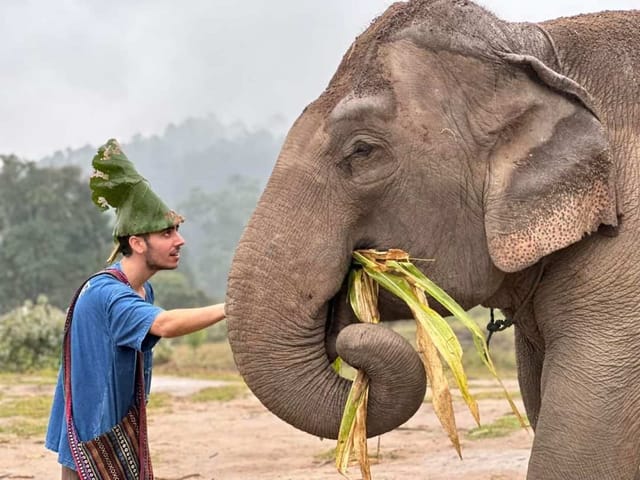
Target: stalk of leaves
{"x": 435, "y": 340}
{"x": 352, "y": 437}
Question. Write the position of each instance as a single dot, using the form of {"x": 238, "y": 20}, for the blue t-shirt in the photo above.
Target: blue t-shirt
{"x": 110, "y": 324}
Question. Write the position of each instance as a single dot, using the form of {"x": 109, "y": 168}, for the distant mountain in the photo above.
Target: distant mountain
{"x": 199, "y": 152}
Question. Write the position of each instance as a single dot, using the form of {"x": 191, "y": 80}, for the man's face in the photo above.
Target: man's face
{"x": 163, "y": 249}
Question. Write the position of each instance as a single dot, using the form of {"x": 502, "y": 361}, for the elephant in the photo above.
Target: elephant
{"x": 509, "y": 153}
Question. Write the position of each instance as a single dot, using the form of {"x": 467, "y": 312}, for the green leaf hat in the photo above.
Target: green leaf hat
{"x": 115, "y": 183}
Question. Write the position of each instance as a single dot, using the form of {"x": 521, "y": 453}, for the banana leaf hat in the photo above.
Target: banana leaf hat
{"x": 115, "y": 183}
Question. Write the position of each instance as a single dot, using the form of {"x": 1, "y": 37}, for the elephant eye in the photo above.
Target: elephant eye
{"x": 367, "y": 162}
{"x": 361, "y": 149}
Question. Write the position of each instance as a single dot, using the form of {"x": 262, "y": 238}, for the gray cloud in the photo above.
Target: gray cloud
{"x": 81, "y": 71}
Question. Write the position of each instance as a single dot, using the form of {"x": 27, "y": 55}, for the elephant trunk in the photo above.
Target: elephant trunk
{"x": 277, "y": 309}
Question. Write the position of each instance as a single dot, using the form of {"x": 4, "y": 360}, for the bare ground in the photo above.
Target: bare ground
{"x": 240, "y": 440}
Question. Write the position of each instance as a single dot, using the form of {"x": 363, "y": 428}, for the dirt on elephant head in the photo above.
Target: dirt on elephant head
{"x": 458, "y": 26}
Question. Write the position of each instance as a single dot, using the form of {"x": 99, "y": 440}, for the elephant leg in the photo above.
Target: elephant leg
{"x": 589, "y": 422}
{"x": 529, "y": 360}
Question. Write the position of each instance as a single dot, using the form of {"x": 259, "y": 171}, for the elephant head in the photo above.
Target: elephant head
{"x": 444, "y": 132}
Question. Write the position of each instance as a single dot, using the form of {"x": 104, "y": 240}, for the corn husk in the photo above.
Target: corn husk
{"x": 435, "y": 339}
{"x": 440, "y": 394}
{"x": 352, "y": 437}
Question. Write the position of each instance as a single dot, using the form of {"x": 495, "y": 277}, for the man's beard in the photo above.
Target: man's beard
{"x": 155, "y": 266}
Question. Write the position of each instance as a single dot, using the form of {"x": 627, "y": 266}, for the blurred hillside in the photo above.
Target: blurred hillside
{"x": 211, "y": 173}
{"x": 197, "y": 153}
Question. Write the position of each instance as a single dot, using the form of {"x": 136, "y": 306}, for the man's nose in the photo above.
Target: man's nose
{"x": 179, "y": 240}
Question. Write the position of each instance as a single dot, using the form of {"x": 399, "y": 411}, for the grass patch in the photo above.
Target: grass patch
{"x": 27, "y": 407}
{"x": 502, "y": 347}
{"x": 24, "y": 417}
{"x": 219, "y": 394}
{"x": 209, "y": 360}
{"x": 329, "y": 456}
{"x": 216, "y": 375}
{"x": 325, "y": 456}
{"x": 40, "y": 377}
{"x": 478, "y": 394}
{"x": 494, "y": 394}
{"x": 24, "y": 428}
{"x": 159, "y": 401}
{"x": 501, "y": 427}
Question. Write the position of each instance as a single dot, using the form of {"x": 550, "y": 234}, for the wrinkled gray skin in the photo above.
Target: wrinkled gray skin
{"x": 510, "y": 154}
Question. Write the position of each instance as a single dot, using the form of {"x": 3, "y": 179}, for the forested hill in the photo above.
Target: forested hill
{"x": 209, "y": 172}
{"x": 197, "y": 153}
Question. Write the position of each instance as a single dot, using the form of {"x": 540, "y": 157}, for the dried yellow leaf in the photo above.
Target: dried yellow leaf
{"x": 434, "y": 337}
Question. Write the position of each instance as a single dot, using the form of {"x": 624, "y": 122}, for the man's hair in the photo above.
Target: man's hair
{"x": 123, "y": 243}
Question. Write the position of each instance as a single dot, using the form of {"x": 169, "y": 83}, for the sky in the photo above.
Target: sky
{"x": 77, "y": 72}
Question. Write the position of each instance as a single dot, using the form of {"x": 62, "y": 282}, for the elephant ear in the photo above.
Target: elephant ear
{"x": 551, "y": 179}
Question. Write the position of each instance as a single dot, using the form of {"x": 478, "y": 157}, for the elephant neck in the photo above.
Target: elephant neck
{"x": 515, "y": 299}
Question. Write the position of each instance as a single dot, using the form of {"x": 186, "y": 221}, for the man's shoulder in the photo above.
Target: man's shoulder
{"x": 102, "y": 285}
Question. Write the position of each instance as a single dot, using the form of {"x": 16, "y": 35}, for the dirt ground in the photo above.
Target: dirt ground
{"x": 240, "y": 440}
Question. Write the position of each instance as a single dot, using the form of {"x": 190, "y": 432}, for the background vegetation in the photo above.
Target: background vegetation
{"x": 210, "y": 172}
{"x": 51, "y": 235}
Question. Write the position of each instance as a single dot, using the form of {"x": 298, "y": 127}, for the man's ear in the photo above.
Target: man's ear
{"x": 550, "y": 179}
{"x": 137, "y": 244}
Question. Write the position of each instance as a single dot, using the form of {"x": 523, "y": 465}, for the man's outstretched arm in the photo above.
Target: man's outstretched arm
{"x": 182, "y": 321}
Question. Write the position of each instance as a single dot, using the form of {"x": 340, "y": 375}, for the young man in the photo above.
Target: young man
{"x": 112, "y": 320}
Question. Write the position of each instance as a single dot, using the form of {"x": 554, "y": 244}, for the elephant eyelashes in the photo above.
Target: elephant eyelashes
{"x": 367, "y": 163}
{"x": 361, "y": 149}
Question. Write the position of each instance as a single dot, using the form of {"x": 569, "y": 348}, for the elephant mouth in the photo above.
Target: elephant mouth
{"x": 338, "y": 313}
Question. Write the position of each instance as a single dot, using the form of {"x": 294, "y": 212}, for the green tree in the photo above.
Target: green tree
{"x": 51, "y": 234}
{"x": 31, "y": 336}
{"x": 215, "y": 222}
{"x": 195, "y": 340}
{"x": 175, "y": 289}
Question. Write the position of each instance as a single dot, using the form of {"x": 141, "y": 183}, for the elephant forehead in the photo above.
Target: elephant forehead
{"x": 355, "y": 107}
{"x": 429, "y": 24}
{"x": 360, "y": 72}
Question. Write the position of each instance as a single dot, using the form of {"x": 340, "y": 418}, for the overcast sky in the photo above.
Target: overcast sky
{"x": 82, "y": 71}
